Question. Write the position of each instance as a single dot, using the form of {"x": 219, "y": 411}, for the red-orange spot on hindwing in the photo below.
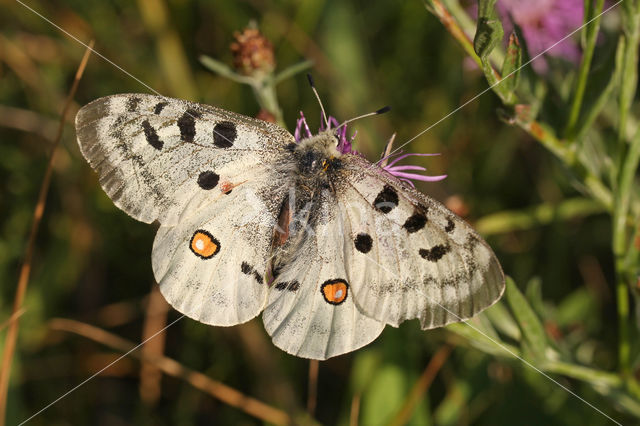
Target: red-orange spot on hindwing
{"x": 226, "y": 187}
{"x": 204, "y": 245}
{"x": 335, "y": 291}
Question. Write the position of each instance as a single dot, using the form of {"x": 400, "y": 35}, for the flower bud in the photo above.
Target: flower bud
{"x": 252, "y": 53}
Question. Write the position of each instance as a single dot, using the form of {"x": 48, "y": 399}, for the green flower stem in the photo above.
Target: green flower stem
{"x": 591, "y": 32}
{"x": 545, "y": 135}
{"x": 543, "y": 214}
{"x": 621, "y": 247}
{"x": 628, "y": 82}
{"x": 263, "y": 86}
{"x": 267, "y": 98}
{"x": 583, "y": 373}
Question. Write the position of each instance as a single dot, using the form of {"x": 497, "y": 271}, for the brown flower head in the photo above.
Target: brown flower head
{"x": 252, "y": 52}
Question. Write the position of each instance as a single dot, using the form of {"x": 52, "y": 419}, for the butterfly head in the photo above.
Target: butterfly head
{"x": 318, "y": 154}
{"x": 337, "y": 132}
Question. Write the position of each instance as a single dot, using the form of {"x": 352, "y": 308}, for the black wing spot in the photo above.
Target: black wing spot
{"x": 224, "y": 134}
{"x": 450, "y": 226}
{"x": 435, "y": 253}
{"x": 363, "y": 242}
{"x": 415, "y": 222}
{"x": 208, "y": 179}
{"x": 151, "y": 135}
{"x": 249, "y": 270}
{"x": 132, "y": 103}
{"x": 159, "y": 107}
{"x": 386, "y": 200}
{"x": 288, "y": 285}
{"x": 187, "y": 125}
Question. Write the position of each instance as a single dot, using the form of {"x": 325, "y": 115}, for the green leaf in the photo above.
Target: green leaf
{"x": 489, "y": 31}
{"x": 511, "y": 68}
{"x": 575, "y": 308}
{"x": 479, "y": 333}
{"x": 385, "y": 394}
{"x": 535, "y": 338}
{"x": 291, "y": 71}
{"x": 503, "y": 321}
{"x": 223, "y": 70}
{"x": 602, "y": 80}
{"x": 489, "y": 34}
{"x": 534, "y": 296}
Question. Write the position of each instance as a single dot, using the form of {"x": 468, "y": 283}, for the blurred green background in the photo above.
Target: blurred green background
{"x": 92, "y": 262}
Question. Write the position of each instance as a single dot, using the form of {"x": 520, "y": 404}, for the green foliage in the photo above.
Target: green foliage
{"x": 546, "y": 166}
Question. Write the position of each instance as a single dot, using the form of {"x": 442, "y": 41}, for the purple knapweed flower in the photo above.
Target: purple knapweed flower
{"x": 401, "y": 171}
{"x": 302, "y": 131}
{"x": 544, "y": 23}
{"x": 344, "y": 144}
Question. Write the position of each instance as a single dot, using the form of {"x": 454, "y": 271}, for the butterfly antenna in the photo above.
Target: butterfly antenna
{"x": 380, "y": 111}
{"x": 315, "y": 92}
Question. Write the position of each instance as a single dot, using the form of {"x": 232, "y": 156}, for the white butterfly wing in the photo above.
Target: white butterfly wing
{"x": 409, "y": 256}
{"x": 208, "y": 177}
{"x": 161, "y": 159}
{"x": 212, "y": 265}
{"x": 311, "y": 311}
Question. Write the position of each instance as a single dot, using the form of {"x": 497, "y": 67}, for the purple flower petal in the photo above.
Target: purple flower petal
{"x": 398, "y": 171}
{"x": 301, "y": 125}
{"x": 419, "y": 177}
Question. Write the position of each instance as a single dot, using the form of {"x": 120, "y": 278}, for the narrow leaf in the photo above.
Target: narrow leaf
{"x": 503, "y": 321}
{"x": 511, "y": 68}
{"x": 489, "y": 31}
{"x": 532, "y": 329}
{"x": 224, "y": 71}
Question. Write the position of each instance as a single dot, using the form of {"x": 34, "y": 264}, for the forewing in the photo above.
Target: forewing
{"x": 409, "y": 256}
{"x": 211, "y": 266}
{"x": 311, "y": 311}
{"x": 161, "y": 159}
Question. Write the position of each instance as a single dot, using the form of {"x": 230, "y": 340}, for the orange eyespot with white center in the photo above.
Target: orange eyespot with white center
{"x": 335, "y": 291}
{"x": 204, "y": 245}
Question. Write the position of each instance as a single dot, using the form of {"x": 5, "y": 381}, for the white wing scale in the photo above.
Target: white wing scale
{"x": 311, "y": 311}
{"x": 149, "y": 151}
{"x": 410, "y": 256}
{"x": 222, "y": 285}
{"x": 206, "y": 175}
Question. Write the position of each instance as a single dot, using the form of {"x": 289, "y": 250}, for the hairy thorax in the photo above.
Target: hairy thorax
{"x": 316, "y": 158}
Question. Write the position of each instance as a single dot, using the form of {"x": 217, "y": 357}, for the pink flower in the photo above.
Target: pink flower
{"x": 401, "y": 171}
{"x": 543, "y": 23}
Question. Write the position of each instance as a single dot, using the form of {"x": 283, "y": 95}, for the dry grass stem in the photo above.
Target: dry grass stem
{"x": 155, "y": 320}
{"x": 355, "y": 410}
{"x": 25, "y": 271}
{"x": 422, "y": 385}
{"x": 312, "y": 394}
{"x": 169, "y": 366}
